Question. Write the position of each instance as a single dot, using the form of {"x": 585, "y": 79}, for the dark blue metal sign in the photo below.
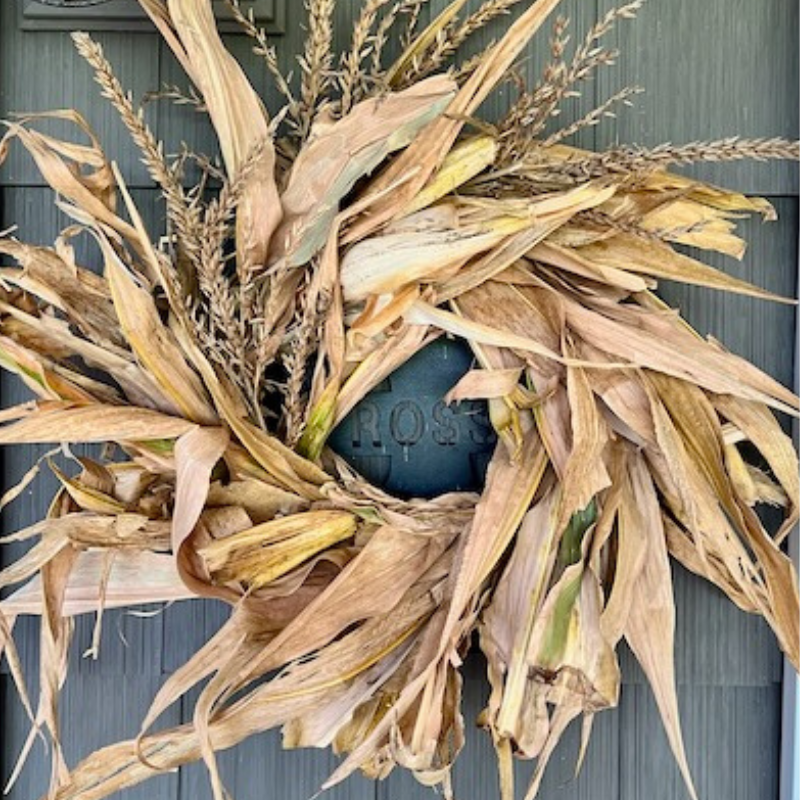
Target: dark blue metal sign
{"x": 404, "y": 438}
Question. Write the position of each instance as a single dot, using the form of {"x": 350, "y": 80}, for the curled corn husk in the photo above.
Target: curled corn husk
{"x": 264, "y": 553}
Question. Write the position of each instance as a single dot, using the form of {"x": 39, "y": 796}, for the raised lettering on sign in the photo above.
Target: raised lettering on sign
{"x": 406, "y": 439}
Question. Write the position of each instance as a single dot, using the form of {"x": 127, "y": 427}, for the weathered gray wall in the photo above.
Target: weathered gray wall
{"x": 712, "y": 68}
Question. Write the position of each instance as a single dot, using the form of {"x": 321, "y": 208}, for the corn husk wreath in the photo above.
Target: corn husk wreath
{"x": 371, "y": 215}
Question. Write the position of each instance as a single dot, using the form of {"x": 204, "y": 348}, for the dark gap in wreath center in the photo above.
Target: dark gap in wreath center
{"x": 405, "y": 439}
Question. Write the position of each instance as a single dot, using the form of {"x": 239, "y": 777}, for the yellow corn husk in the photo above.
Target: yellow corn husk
{"x": 88, "y": 498}
{"x": 262, "y": 554}
{"x": 462, "y": 163}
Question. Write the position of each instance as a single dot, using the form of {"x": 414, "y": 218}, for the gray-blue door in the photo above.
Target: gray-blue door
{"x": 711, "y": 68}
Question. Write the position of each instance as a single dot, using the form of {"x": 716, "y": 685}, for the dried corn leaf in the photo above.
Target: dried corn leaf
{"x": 574, "y": 261}
{"x": 662, "y": 345}
{"x": 508, "y": 622}
{"x": 87, "y": 497}
{"x": 136, "y": 578}
{"x": 43, "y": 377}
{"x": 466, "y": 160}
{"x": 261, "y": 501}
{"x": 484, "y": 384}
{"x": 650, "y": 627}
{"x": 337, "y": 154}
{"x": 386, "y": 263}
{"x": 196, "y": 454}
{"x": 86, "y": 194}
{"x": 155, "y": 348}
{"x": 762, "y": 429}
{"x": 691, "y": 223}
{"x": 58, "y": 422}
{"x": 426, "y": 154}
{"x": 239, "y": 119}
{"x": 81, "y": 294}
{"x": 49, "y": 335}
{"x": 628, "y": 252}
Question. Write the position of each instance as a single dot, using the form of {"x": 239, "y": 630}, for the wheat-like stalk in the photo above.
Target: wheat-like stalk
{"x": 351, "y": 79}
{"x": 634, "y": 161}
{"x": 303, "y": 346}
{"x": 220, "y": 302}
{"x": 413, "y": 9}
{"x": 488, "y": 11}
{"x": 455, "y": 35}
{"x": 529, "y": 116}
{"x": 530, "y": 105}
{"x": 594, "y": 116}
{"x": 183, "y": 215}
{"x": 262, "y": 48}
{"x": 316, "y": 61}
{"x": 381, "y": 37}
{"x": 588, "y": 57}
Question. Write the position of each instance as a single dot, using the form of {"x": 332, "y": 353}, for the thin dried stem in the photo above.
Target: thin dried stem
{"x": 606, "y": 222}
{"x": 352, "y": 76}
{"x": 262, "y": 48}
{"x": 463, "y": 71}
{"x": 515, "y": 126}
{"x": 528, "y": 118}
{"x": 209, "y": 166}
{"x": 316, "y": 61}
{"x": 180, "y": 97}
{"x": 448, "y": 42}
{"x": 636, "y": 161}
{"x": 633, "y": 226}
{"x": 587, "y": 59}
{"x": 183, "y": 215}
{"x": 303, "y": 346}
{"x": 594, "y": 116}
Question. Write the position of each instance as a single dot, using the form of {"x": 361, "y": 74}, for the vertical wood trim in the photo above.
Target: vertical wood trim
{"x": 790, "y": 733}
{"x": 790, "y": 722}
